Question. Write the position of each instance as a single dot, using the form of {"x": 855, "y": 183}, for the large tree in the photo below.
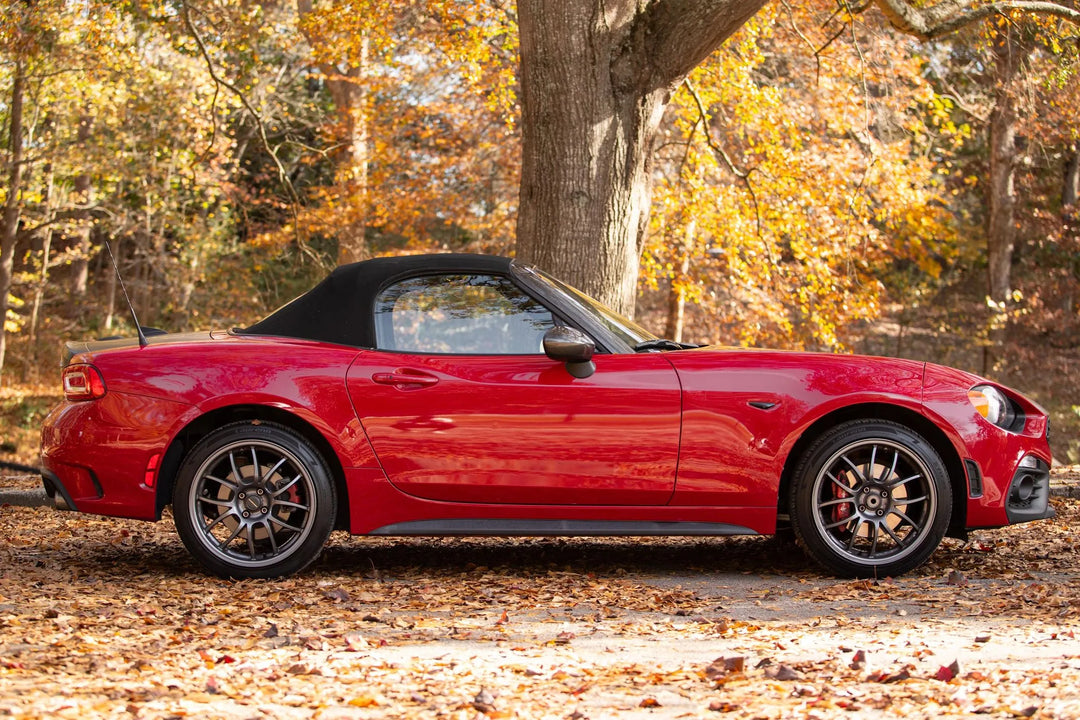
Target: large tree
{"x": 596, "y": 76}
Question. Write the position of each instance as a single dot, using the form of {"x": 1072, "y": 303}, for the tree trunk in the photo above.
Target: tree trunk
{"x": 9, "y": 225}
{"x": 587, "y": 141}
{"x": 348, "y": 90}
{"x": 596, "y": 76}
{"x": 84, "y": 195}
{"x": 1001, "y": 191}
{"x": 1070, "y": 189}
{"x": 350, "y": 98}
{"x": 110, "y": 288}
{"x": 677, "y": 296}
{"x": 46, "y": 252}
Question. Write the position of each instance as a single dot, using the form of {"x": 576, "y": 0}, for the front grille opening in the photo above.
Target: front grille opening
{"x": 1025, "y": 490}
{"x": 1029, "y": 491}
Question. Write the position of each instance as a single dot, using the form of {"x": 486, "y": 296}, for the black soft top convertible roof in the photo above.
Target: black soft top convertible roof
{"x": 339, "y": 309}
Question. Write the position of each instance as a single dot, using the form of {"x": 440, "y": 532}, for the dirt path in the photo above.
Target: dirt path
{"x": 106, "y": 618}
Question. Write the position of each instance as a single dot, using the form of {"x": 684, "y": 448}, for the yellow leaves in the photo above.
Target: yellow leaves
{"x": 346, "y": 33}
{"x": 818, "y": 188}
{"x": 13, "y": 321}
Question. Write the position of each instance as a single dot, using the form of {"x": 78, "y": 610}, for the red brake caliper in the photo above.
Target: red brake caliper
{"x": 841, "y": 511}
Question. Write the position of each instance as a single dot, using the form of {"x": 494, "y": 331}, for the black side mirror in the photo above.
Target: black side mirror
{"x": 572, "y": 347}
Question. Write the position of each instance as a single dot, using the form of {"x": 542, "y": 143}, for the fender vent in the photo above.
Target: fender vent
{"x": 975, "y": 484}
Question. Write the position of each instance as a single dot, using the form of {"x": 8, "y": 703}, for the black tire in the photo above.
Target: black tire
{"x": 254, "y": 501}
{"x": 870, "y": 498}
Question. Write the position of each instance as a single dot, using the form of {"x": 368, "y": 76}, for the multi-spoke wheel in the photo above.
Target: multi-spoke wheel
{"x": 254, "y": 500}
{"x": 870, "y": 498}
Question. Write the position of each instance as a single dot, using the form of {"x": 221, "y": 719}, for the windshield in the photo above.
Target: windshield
{"x": 625, "y": 329}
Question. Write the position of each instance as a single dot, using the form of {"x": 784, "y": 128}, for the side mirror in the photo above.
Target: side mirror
{"x": 572, "y": 347}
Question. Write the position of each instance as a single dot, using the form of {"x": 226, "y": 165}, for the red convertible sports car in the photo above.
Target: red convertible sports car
{"x": 476, "y": 395}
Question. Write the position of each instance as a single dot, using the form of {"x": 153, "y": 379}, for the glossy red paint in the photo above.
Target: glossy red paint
{"x": 685, "y": 441}
{"x": 156, "y": 392}
{"x": 744, "y": 410}
{"x": 303, "y": 379}
{"x": 100, "y": 450}
{"x": 520, "y": 430}
{"x": 505, "y": 435}
{"x": 997, "y": 453}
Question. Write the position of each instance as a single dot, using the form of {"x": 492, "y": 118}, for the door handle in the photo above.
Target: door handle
{"x": 404, "y": 378}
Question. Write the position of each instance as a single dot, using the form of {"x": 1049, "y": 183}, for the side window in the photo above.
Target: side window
{"x": 460, "y": 314}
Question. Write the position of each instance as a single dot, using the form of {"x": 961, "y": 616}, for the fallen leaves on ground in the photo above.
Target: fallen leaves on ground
{"x": 110, "y": 618}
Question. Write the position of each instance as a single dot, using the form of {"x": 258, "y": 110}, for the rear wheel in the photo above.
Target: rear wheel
{"x": 254, "y": 500}
{"x": 870, "y": 499}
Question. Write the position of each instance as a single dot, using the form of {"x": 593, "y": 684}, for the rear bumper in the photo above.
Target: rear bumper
{"x": 96, "y": 454}
{"x": 56, "y": 491}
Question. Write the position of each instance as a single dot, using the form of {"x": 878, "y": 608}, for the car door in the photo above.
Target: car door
{"x": 461, "y": 405}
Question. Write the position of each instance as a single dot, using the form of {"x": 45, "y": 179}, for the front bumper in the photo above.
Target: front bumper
{"x": 1028, "y": 497}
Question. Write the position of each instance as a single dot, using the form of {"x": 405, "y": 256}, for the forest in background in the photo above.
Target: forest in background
{"x": 821, "y": 182}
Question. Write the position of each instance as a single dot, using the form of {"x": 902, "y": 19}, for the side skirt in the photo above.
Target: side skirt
{"x": 541, "y": 528}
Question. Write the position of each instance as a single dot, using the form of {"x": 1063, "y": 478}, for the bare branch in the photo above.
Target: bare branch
{"x": 802, "y": 36}
{"x": 742, "y": 175}
{"x": 219, "y": 81}
{"x": 954, "y": 96}
{"x": 222, "y": 82}
{"x": 951, "y": 15}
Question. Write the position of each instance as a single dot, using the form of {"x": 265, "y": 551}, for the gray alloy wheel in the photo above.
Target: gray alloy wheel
{"x": 254, "y": 500}
{"x": 870, "y": 499}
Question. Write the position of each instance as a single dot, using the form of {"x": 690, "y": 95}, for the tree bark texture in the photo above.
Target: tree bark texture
{"x": 46, "y": 252}
{"x": 1001, "y": 191}
{"x": 84, "y": 195}
{"x": 1008, "y": 57}
{"x": 9, "y": 226}
{"x": 596, "y": 76}
{"x": 1070, "y": 188}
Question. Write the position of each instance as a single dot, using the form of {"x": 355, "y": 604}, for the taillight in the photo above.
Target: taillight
{"x": 83, "y": 382}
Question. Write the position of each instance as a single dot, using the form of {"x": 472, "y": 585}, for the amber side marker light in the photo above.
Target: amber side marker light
{"x": 83, "y": 382}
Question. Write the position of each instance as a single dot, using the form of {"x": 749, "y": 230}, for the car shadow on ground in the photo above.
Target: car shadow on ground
{"x": 588, "y": 556}
{"x": 133, "y": 554}
{"x": 123, "y": 549}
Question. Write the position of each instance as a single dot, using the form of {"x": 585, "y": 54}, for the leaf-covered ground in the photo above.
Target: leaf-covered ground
{"x": 109, "y": 618}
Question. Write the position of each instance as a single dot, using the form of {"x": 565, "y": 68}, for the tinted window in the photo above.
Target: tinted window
{"x": 460, "y": 314}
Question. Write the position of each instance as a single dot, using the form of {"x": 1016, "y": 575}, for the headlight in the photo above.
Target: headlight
{"x": 992, "y": 404}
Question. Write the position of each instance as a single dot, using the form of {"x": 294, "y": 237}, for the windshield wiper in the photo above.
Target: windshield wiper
{"x": 663, "y": 344}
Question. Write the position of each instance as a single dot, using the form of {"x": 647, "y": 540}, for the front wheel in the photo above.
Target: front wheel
{"x": 870, "y": 499}
{"x": 254, "y": 501}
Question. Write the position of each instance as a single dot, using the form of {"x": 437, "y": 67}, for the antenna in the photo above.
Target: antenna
{"x": 143, "y": 342}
